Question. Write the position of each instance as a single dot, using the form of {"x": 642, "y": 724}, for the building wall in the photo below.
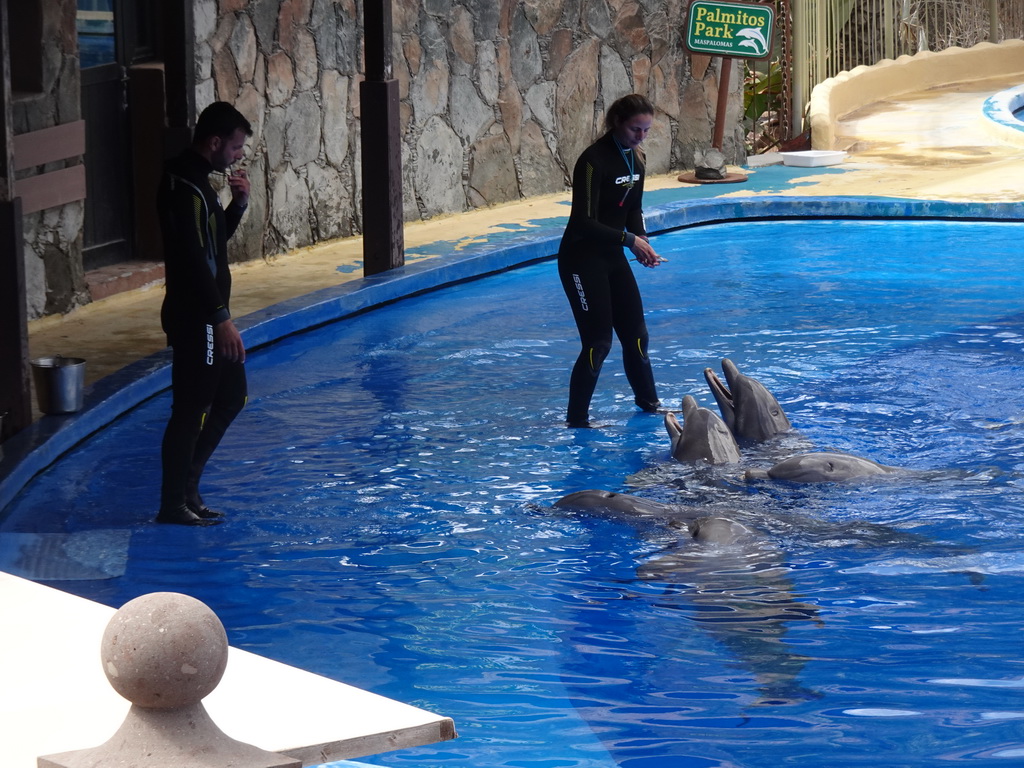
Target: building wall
{"x": 498, "y": 99}
{"x": 53, "y": 238}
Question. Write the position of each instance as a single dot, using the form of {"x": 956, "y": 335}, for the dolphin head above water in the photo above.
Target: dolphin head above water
{"x": 621, "y": 503}
{"x": 702, "y": 435}
{"x": 823, "y": 467}
{"x": 721, "y": 531}
{"x": 748, "y": 408}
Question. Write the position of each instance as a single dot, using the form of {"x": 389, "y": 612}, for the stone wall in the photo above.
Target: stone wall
{"x": 498, "y": 99}
{"x": 53, "y": 238}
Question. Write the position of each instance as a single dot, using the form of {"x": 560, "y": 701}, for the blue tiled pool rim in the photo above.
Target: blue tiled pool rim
{"x": 34, "y": 449}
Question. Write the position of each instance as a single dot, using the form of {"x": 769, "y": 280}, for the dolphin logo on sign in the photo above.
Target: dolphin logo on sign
{"x": 754, "y": 40}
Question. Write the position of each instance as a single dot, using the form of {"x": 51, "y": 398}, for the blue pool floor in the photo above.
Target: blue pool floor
{"x": 389, "y": 492}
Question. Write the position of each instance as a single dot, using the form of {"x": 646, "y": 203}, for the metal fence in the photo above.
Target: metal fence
{"x": 818, "y": 39}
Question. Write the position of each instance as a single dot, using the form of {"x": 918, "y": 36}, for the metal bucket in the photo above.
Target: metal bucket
{"x": 60, "y": 383}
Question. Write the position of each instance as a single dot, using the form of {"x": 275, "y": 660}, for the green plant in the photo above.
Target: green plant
{"x": 762, "y": 105}
{"x": 762, "y": 91}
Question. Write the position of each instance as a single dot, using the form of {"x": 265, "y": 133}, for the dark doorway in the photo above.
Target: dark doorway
{"x": 114, "y": 36}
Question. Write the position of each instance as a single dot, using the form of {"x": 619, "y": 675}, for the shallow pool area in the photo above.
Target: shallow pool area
{"x": 390, "y": 488}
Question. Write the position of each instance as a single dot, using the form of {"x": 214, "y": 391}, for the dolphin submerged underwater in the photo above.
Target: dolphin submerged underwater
{"x": 702, "y": 528}
{"x": 731, "y": 583}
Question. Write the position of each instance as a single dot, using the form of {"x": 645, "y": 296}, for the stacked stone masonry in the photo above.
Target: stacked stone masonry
{"x": 498, "y": 99}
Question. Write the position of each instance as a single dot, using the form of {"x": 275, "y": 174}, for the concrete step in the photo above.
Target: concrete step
{"x": 126, "y": 276}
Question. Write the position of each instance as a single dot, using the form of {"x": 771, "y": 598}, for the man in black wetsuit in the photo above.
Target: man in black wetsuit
{"x": 606, "y": 216}
{"x": 208, "y": 373}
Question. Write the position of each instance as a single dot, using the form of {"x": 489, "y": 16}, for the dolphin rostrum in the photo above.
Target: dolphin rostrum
{"x": 748, "y": 408}
{"x": 701, "y": 436}
{"x": 822, "y": 467}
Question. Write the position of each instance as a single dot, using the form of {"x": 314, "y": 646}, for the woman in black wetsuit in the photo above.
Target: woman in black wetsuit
{"x": 606, "y": 217}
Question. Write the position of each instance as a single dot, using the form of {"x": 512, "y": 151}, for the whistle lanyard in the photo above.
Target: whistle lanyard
{"x": 629, "y": 165}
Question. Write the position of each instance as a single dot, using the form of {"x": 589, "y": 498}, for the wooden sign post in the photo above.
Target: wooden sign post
{"x": 730, "y": 30}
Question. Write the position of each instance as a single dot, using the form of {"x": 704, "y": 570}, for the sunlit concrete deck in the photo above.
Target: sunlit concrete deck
{"x": 56, "y": 698}
{"x": 918, "y": 148}
{"x": 926, "y": 145}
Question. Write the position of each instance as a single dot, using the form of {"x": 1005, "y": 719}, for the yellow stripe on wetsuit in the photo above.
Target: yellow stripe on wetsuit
{"x": 197, "y": 204}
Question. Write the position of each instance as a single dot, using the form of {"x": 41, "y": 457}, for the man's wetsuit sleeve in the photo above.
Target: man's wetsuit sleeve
{"x": 187, "y": 216}
{"x": 233, "y": 216}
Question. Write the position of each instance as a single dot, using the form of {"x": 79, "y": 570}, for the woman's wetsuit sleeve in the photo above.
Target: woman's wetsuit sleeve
{"x": 586, "y": 223}
{"x": 635, "y": 218}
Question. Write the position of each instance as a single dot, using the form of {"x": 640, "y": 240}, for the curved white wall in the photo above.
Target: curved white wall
{"x": 840, "y": 95}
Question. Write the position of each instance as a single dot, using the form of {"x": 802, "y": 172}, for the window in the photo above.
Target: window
{"x": 94, "y": 23}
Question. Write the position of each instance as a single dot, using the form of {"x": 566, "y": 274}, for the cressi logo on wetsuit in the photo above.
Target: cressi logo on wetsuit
{"x": 209, "y": 344}
{"x": 629, "y": 180}
{"x": 583, "y": 295}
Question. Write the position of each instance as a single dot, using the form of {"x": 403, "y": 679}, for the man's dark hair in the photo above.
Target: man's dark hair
{"x": 219, "y": 119}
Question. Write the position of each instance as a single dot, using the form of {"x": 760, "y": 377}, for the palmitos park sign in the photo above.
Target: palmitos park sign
{"x": 742, "y": 30}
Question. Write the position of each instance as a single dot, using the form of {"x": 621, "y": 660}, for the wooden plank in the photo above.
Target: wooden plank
{"x": 49, "y": 144}
{"x": 48, "y": 190}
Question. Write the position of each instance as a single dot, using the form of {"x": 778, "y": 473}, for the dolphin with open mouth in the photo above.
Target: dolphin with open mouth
{"x": 748, "y": 408}
{"x": 701, "y": 436}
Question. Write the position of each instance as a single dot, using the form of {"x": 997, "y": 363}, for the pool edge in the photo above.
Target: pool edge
{"x": 34, "y": 449}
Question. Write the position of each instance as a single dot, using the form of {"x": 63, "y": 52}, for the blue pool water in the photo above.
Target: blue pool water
{"x": 389, "y": 492}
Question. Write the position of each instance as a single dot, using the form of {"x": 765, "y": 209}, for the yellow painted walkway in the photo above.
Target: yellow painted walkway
{"x": 930, "y": 145}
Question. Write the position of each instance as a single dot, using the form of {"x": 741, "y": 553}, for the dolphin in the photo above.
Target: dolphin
{"x": 742, "y": 598}
{"x": 705, "y": 529}
{"x": 821, "y": 467}
{"x": 629, "y": 506}
{"x": 748, "y": 408}
{"x": 721, "y": 531}
{"x": 701, "y": 436}
{"x": 731, "y": 583}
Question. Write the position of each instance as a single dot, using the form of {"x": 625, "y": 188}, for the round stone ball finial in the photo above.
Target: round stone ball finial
{"x": 164, "y": 651}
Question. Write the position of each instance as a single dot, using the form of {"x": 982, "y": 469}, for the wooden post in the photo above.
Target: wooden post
{"x": 15, "y": 389}
{"x": 383, "y": 235}
{"x": 723, "y": 101}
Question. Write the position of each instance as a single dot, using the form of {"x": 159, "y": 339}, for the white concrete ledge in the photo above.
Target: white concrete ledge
{"x": 999, "y": 119}
{"x": 840, "y": 95}
{"x": 55, "y": 697}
